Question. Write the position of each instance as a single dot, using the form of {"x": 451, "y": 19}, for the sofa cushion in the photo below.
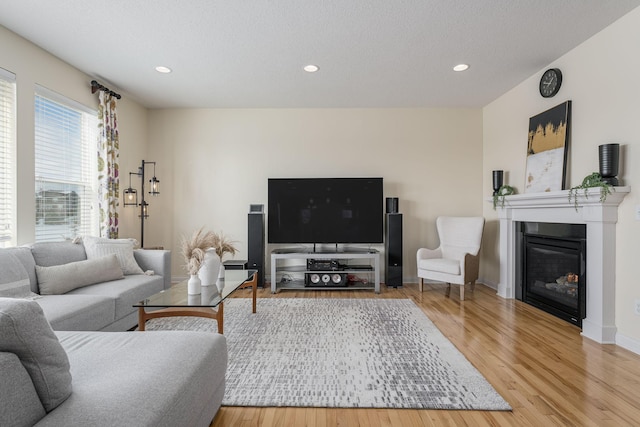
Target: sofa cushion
{"x": 17, "y": 289}
{"x": 60, "y": 279}
{"x": 78, "y": 312}
{"x": 25, "y": 331}
{"x": 20, "y": 403}
{"x": 97, "y": 247}
{"x": 14, "y": 281}
{"x": 25, "y": 257}
{"x": 47, "y": 254}
{"x": 159, "y": 378}
{"x": 125, "y": 292}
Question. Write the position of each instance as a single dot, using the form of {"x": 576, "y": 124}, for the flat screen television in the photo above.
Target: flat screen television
{"x": 325, "y": 210}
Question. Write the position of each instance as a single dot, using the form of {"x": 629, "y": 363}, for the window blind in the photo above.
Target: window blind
{"x": 7, "y": 157}
{"x": 65, "y": 168}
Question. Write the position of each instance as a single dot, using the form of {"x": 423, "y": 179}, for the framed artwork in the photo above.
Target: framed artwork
{"x": 547, "y": 149}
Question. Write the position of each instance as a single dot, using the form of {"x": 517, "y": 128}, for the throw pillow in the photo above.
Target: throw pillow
{"x": 60, "y": 279}
{"x": 26, "y": 333}
{"x": 20, "y": 402}
{"x": 96, "y": 247}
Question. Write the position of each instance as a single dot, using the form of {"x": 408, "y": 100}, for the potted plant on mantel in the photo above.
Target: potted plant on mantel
{"x": 498, "y": 196}
{"x": 593, "y": 180}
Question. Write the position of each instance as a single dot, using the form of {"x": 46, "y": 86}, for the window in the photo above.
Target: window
{"x": 66, "y": 178}
{"x": 7, "y": 157}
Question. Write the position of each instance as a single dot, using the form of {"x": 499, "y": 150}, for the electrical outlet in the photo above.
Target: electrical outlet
{"x": 637, "y": 212}
{"x": 637, "y": 307}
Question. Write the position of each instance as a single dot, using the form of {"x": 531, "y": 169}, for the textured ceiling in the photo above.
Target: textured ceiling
{"x": 250, "y": 53}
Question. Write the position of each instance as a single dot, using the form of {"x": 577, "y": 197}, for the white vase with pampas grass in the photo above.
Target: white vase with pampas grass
{"x": 222, "y": 245}
{"x": 210, "y": 268}
{"x": 193, "y": 251}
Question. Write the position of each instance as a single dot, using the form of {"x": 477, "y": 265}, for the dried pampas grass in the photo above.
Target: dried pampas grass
{"x": 223, "y": 245}
{"x": 195, "y": 247}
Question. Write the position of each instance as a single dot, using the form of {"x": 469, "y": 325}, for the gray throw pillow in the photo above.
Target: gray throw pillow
{"x": 60, "y": 279}
{"x": 20, "y": 402}
{"x": 25, "y": 332}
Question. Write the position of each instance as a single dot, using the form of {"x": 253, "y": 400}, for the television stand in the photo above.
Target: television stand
{"x": 357, "y": 269}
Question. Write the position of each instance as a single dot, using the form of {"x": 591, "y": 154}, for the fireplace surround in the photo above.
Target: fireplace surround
{"x": 600, "y": 220}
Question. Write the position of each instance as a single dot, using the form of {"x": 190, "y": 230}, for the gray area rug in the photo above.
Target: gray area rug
{"x": 346, "y": 353}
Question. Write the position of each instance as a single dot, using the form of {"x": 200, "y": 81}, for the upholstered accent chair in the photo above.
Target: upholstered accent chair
{"x": 456, "y": 260}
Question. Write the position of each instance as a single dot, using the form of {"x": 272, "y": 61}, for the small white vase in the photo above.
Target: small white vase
{"x": 193, "y": 285}
{"x": 220, "y": 281}
{"x": 209, "y": 269}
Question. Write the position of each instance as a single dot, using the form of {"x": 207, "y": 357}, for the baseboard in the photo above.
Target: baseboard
{"x": 489, "y": 284}
{"x": 628, "y": 343}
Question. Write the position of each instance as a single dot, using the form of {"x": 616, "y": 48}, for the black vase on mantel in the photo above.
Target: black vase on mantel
{"x": 498, "y": 177}
{"x": 609, "y": 161}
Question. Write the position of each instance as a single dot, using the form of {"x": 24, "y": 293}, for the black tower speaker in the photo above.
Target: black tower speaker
{"x": 393, "y": 250}
{"x": 255, "y": 244}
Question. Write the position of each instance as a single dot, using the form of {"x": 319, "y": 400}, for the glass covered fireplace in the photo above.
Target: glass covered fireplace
{"x": 551, "y": 268}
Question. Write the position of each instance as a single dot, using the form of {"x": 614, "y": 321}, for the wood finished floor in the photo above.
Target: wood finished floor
{"x": 549, "y": 374}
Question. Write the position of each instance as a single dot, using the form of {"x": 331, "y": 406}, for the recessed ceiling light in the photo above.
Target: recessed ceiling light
{"x": 311, "y": 68}
{"x": 162, "y": 69}
{"x": 461, "y": 67}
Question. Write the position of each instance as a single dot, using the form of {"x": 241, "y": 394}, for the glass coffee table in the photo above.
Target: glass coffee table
{"x": 175, "y": 301}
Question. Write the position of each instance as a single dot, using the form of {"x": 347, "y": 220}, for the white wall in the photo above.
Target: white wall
{"x": 32, "y": 66}
{"x": 600, "y": 77}
{"x": 215, "y": 163}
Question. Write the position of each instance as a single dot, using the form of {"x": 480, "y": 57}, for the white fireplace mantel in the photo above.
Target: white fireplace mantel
{"x": 600, "y": 219}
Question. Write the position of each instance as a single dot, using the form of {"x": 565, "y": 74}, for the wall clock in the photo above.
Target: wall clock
{"x": 550, "y": 82}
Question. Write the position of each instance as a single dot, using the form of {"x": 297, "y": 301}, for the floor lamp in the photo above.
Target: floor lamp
{"x": 130, "y": 195}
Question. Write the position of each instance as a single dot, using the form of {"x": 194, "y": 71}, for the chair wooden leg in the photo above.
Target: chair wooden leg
{"x": 461, "y": 292}
{"x": 473, "y": 286}
{"x": 420, "y": 284}
{"x": 448, "y": 292}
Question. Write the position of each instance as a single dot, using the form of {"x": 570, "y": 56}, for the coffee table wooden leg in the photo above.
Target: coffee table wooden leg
{"x": 141, "y": 319}
{"x": 220, "y": 317}
{"x": 254, "y": 287}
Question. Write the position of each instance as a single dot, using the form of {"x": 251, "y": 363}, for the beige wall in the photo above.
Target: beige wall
{"x": 32, "y": 66}
{"x": 600, "y": 77}
{"x": 215, "y": 163}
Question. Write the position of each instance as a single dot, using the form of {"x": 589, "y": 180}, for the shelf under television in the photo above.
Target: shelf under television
{"x": 303, "y": 269}
{"x": 370, "y": 259}
{"x": 299, "y": 285}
